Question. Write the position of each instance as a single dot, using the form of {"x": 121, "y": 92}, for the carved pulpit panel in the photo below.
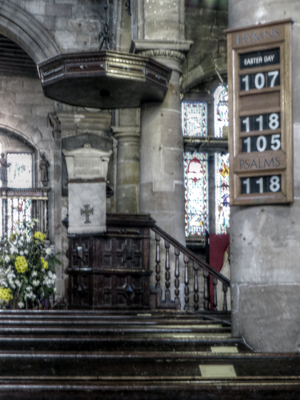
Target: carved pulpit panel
{"x": 112, "y": 269}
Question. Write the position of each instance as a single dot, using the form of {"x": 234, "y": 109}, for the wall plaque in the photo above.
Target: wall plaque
{"x": 260, "y": 114}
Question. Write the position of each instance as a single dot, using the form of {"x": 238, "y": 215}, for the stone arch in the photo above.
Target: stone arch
{"x": 21, "y": 27}
{"x": 207, "y": 69}
{"x": 25, "y": 137}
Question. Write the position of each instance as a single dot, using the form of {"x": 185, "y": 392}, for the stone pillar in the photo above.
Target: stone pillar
{"x": 265, "y": 249}
{"x": 162, "y": 187}
{"x": 128, "y": 168}
{"x": 57, "y": 201}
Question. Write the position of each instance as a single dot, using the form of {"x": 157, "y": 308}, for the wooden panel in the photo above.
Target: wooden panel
{"x": 112, "y": 270}
{"x": 259, "y": 102}
{"x": 260, "y": 114}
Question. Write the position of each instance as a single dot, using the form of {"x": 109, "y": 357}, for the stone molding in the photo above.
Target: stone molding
{"x": 87, "y": 162}
{"x": 177, "y": 45}
{"x": 163, "y": 48}
{"x": 164, "y": 53}
{"x": 73, "y": 123}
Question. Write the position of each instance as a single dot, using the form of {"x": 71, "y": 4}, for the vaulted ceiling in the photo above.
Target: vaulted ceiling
{"x": 14, "y": 61}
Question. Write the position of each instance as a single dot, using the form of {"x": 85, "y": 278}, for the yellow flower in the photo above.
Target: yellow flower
{"x": 21, "y": 264}
{"x": 39, "y": 236}
{"x": 44, "y": 263}
{"x": 5, "y": 294}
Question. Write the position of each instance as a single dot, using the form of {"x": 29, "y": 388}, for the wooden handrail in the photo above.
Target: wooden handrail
{"x": 192, "y": 256}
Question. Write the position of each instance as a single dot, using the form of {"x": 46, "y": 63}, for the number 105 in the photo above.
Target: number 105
{"x": 261, "y": 184}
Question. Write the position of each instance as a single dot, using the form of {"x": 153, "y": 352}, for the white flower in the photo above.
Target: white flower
{"x": 35, "y": 282}
{"x": 34, "y": 274}
{"x": 21, "y": 304}
{"x": 26, "y": 251}
{"x": 13, "y": 250}
{"x": 48, "y": 251}
{"x": 18, "y": 283}
{"x": 7, "y": 259}
{"x": 21, "y": 253}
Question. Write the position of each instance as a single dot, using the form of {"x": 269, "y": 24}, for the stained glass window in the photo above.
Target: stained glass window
{"x": 196, "y": 193}
{"x": 194, "y": 118}
{"x": 222, "y": 212}
{"x": 19, "y": 174}
{"x": 220, "y": 110}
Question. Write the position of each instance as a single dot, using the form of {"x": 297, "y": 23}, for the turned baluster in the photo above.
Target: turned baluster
{"x": 196, "y": 287}
{"x": 186, "y": 283}
{"x": 206, "y": 289}
{"x": 177, "y": 282}
{"x": 167, "y": 273}
{"x": 157, "y": 268}
{"x": 225, "y": 288}
{"x": 215, "y": 303}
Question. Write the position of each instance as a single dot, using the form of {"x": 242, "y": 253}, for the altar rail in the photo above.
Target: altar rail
{"x": 17, "y": 205}
{"x": 192, "y": 265}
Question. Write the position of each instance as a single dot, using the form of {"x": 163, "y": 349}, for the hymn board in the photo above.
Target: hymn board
{"x": 260, "y": 112}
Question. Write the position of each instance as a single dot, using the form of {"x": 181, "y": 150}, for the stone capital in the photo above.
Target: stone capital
{"x": 170, "y": 53}
{"x": 127, "y": 133}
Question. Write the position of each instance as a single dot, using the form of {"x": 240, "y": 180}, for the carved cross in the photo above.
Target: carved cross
{"x": 87, "y": 211}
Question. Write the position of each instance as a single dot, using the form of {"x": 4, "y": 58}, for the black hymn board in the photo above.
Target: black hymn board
{"x": 260, "y": 126}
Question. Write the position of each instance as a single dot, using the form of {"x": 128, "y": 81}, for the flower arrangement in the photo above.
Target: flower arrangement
{"x": 27, "y": 267}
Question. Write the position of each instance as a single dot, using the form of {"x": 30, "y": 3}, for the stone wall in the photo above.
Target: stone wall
{"x": 205, "y": 27}
{"x": 265, "y": 251}
{"x": 73, "y": 24}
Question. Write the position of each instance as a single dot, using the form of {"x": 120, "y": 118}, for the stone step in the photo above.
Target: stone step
{"x": 80, "y": 355}
{"x": 147, "y": 364}
{"x": 148, "y": 389}
{"x": 164, "y": 342}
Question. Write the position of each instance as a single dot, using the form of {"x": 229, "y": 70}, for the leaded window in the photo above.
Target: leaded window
{"x": 20, "y": 198}
{"x": 220, "y": 110}
{"x": 19, "y": 173}
{"x": 196, "y": 193}
{"x": 194, "y": 119}
{"x": 222, "y": 211}
{"x": 208, "y": 171}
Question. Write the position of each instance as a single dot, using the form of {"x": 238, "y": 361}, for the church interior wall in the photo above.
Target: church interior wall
{"x": 74, "y": 26}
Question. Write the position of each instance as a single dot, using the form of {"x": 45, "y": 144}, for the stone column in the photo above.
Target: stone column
{"x": 57, "y": 202}
{"x": 265, "y": 249}
{"x": 128, "y": 168}
{"x": 162, "y": 185}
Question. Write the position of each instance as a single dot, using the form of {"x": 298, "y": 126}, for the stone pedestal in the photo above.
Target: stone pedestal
{"x": 265, "y": 250}
{"x": 87, "y": 207}
{"x": 87, "y": 172}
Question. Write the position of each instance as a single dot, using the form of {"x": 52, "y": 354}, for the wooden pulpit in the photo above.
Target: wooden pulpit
{"x": 111, "y": 270}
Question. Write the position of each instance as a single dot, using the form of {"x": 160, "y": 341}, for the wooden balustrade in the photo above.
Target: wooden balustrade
{"x": 190, "y": 263}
